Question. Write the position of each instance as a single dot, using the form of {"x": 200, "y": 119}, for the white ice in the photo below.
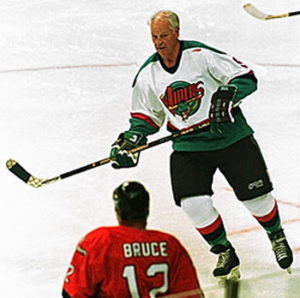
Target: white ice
{"x": 66, "y": 69}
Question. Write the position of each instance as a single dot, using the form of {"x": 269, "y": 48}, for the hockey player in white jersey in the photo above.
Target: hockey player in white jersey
{"x": 186, "y": 83}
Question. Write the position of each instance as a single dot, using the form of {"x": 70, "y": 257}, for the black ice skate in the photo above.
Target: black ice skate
{"x": 228, "y": 264}
{"x": 282, "y": 250}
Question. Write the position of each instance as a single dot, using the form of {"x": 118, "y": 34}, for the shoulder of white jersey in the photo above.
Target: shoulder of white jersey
{"x": 194, "y": 45}
{"x": 152, "y": 59}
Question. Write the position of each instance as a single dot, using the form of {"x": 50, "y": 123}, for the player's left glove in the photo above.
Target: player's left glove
{"x": 120, "y": 156}
{"x": 221, "y": 107}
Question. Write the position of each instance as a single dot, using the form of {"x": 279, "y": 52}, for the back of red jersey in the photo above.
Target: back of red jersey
{"x": 126, "y": 262}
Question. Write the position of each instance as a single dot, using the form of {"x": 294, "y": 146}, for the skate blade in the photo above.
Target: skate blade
{"x": 233, "y": 275}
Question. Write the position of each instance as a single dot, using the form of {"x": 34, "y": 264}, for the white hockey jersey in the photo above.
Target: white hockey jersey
{"x": 182, "y": 95}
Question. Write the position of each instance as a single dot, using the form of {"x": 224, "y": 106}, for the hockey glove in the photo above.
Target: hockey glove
{"x": 221, "y": 106}
{"x": 120, "y": 156}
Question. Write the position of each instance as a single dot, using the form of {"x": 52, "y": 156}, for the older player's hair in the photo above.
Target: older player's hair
{"x": 168, "y": 15}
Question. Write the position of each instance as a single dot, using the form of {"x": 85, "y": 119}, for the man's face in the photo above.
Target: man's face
{"x": 163, "y": 37}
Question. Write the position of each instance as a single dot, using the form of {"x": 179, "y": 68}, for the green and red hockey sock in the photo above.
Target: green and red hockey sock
{"x": 206, "y": 220}
{"x": 265, "y": 211}
{"x": 215, "y": 234}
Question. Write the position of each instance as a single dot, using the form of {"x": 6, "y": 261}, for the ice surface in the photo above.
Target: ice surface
{"x": 66, "y": 69}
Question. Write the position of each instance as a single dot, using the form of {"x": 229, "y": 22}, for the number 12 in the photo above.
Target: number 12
{"x": 130, "y": 275}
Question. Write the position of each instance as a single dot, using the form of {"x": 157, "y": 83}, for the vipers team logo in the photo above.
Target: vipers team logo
{"x": 182, "y": 98}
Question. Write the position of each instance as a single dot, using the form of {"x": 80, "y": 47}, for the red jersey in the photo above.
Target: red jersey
{"x": 126, "y": 262}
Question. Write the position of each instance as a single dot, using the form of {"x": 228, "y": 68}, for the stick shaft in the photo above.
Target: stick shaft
{"x": 85, "y": 168}
{"x": 294, "y": 13}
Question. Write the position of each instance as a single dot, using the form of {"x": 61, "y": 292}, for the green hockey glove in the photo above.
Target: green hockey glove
{"x": 221, "y": 107}
{"x": 120, "y": 156}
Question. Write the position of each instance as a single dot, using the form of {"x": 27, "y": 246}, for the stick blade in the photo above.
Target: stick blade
{"x": 252, "y": 10}
{"x": 18, "y": 170}
{"x": 22, "y": 174}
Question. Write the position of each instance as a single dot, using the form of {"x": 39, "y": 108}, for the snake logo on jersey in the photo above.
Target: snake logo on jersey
{"x": 182, "y": 98}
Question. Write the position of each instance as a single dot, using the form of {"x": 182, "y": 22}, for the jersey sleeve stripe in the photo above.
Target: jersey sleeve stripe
{"x": 249, "y": 75}
{"x": 145, "y": 118}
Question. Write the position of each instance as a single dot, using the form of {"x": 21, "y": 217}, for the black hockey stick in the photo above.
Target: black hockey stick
{"x": 33, "y": 181}
{"x": 252, "y": 10}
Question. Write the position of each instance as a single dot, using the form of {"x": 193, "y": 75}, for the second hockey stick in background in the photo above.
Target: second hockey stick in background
{"x": 252, "y": 10}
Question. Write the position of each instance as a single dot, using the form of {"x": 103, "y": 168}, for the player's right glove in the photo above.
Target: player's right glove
{"x": 120, "y": 156}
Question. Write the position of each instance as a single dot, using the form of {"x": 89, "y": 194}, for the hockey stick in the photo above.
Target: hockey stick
{"x": 35, "y": 182}
{"x": 262, "y": 16}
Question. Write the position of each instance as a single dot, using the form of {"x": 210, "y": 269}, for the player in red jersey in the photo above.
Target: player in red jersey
{"x": 129, "y": 261}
